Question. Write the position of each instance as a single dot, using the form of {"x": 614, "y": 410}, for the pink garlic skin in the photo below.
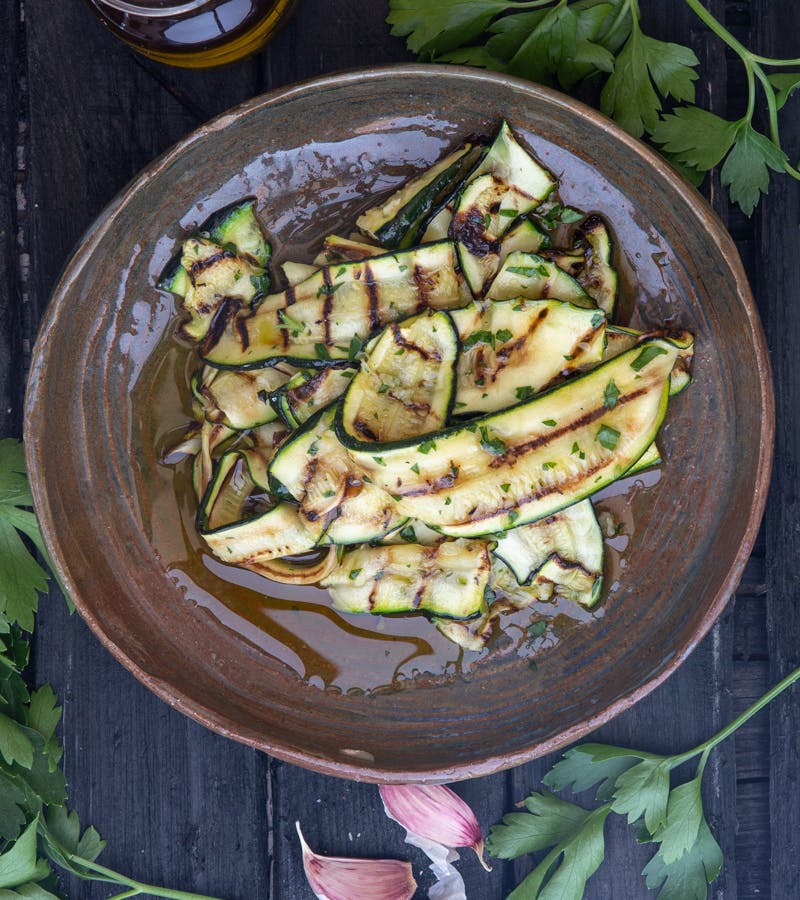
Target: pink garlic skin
{"x": 436, "y": 813}
{"x": 340, "y": 878}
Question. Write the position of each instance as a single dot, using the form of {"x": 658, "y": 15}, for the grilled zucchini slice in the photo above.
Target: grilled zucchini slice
{"x": 399, "y": 221}
{"x": 316, "y": 320}
{"x": 406, "y": 384}
{"x": 565, "y": 549}
{"x": 309, "y": 391}
{"x": 527, "y": 462}
{"x": 447, "y": 580}
{"x": 512, "y": 349}
{"x": 242, "y": 399}
{"x": 336, "y": 501}
{"x": 534, "y": 277}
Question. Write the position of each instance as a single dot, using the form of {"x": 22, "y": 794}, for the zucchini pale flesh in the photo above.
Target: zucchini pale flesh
{"x": 406, "y": 383}
{"x": 564, "y": 549}
{"x": 512, "y": 349}
{"x": 276, "y": 533}
{"x": 528, "y": 462}
{"x": 446, "y": 580}
{"x": 318, "y": 319}
{"x": 534, "y": 277}
{"x": 309, "y": 391}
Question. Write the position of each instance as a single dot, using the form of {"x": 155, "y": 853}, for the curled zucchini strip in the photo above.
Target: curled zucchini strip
{"x": 291, "y": 571}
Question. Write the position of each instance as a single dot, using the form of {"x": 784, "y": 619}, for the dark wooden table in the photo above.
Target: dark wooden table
{"x": 81, "y": 114}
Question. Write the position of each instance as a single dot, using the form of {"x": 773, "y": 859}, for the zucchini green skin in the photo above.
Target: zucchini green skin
{"x": 507, "y": 184}
{"x": 276, "y": 533}
{"x": 316, "y": 320}
{"x": 619, "y": 339}
{"x": 568, "y": 539}
{"x": 407, "y": 383}
{"x": 511, "y": 349}
{"x": 241, "y": 400}
{"x": 336, "y": 502}
{"x": 527, "y": 462}
{"x": 237, "y": 224}
{"x": 534, "y": 277}
{"x": 397, "y": 223}
{"x": 218, "y": 278}
{"x": 447, "y": 580}
{"x": 309, "y": 391}
{"x": 598, "y": 277}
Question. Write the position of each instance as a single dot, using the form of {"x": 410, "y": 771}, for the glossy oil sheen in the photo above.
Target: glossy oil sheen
{"x": 311, "y": 155}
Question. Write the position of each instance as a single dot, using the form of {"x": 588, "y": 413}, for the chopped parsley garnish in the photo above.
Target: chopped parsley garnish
{"x": 504, "y": 335}
{"x": 647, "y": 356}
{"x": 314, "y": 448}
{"x": 493, "y": 445}
{"x": 328, "y": 493}
{"x": 328, "y": 289}
{"x": 415, "y": 468}
{"x": 611, "y": 394}
{"x": 354, "y": 573}
{"x": 383, "y": 388}
{"x": 597, "y": 320}
{"x": 340, "y": 271}
{"x": 322, "y": 351}
{"x": 448, "y": 501}
{"x": 525, "y": 271}
{"x": 379, "y": 460}
{"x": 509, "y": 213}
{"x": 408, "y": 534}
{"x": 513, "y": 515}
{"x": 478, "y": 337}
{"x": 537, "y": 629}
{"x": 524, "y": 393}
{"x": 260, "y": 283}
{"x": 607, "y": 437}
{"x": 487, "y": 220}
{"x": 427, "y": 446}
{"x": 506, "y": 487}
{"x": 551, "y": 423}
{"x": 355, "y": 347}
{"x": 548, "y": 465}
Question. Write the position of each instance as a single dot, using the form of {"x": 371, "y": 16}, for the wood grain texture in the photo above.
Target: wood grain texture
{"x": 184, "y": 807}
{"x": 778, "y": 249}
{"x": 10, "y": 335}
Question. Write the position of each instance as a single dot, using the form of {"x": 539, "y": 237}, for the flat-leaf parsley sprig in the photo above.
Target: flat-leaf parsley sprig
{"x": 601, "y": 43}
{"x": 631, "y": 783}
{"x": 36, "y": 829}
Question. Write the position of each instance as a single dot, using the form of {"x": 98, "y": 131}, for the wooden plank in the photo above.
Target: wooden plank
{"x": 178, "y": 804}
{"x": 10, "y": 338}
{"x": 779, "y": 294}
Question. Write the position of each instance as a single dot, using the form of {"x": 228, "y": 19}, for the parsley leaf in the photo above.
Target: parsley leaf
{"x": 432, "y": 29}
{"x": 21, "y": 577}
{"x": 611, "y": 394}
{"x": 695, "y": 137}
{"x": 644, "y": 791}
{"x": 746, "y": 170}
{"x": 786, "y": 83}
{"x": 686, "y": 878}
{"x": 574, "y": 833}
{"x": 585, "y": 766}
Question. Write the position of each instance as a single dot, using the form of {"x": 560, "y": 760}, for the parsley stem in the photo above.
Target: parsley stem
{"x": 737, "y": 723}
{"x": 136, "y": 887}
{"x": 720, "y": 30}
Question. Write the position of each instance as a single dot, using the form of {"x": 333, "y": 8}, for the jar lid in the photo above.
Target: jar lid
{"x": 155, "y": 8}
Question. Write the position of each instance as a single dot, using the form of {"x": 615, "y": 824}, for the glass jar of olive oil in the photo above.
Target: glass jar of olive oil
{"x": 194, "y": 33}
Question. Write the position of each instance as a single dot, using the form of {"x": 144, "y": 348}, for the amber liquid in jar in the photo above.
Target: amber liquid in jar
{"x": 194, "y": 33}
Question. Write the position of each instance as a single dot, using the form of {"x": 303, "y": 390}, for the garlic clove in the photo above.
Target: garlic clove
{"x": 340, "y": 878}
{"x": 436, "y": 813}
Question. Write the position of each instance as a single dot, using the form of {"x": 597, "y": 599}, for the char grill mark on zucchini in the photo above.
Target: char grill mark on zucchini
{"x": 406, "y": 384}
{"x": 335, "y": 304}
{"x": 512, "y": 349}
{"x": 309, "y": 391}
{"x": 217, "y": 279}
{"x": 398, "y": 223}
{"x": 534, "y": 277}
{"x": 565, "y": 549}
{"x": 241, "y": 400}
{"x": 446, "y": 580}
{"x": 336, "y": 501}
{"x": 527, "y": 462}
{"x": 598, "y": 277}
{"x": 508, "y": 183}
{"x": 276, "y": 533}
{"x": 619, "y": 339}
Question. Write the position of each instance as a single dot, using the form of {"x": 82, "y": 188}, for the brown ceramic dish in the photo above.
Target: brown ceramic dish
{"x": 312, "y": 154}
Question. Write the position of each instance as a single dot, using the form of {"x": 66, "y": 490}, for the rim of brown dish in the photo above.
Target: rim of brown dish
{"x": 364, "y": 771}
